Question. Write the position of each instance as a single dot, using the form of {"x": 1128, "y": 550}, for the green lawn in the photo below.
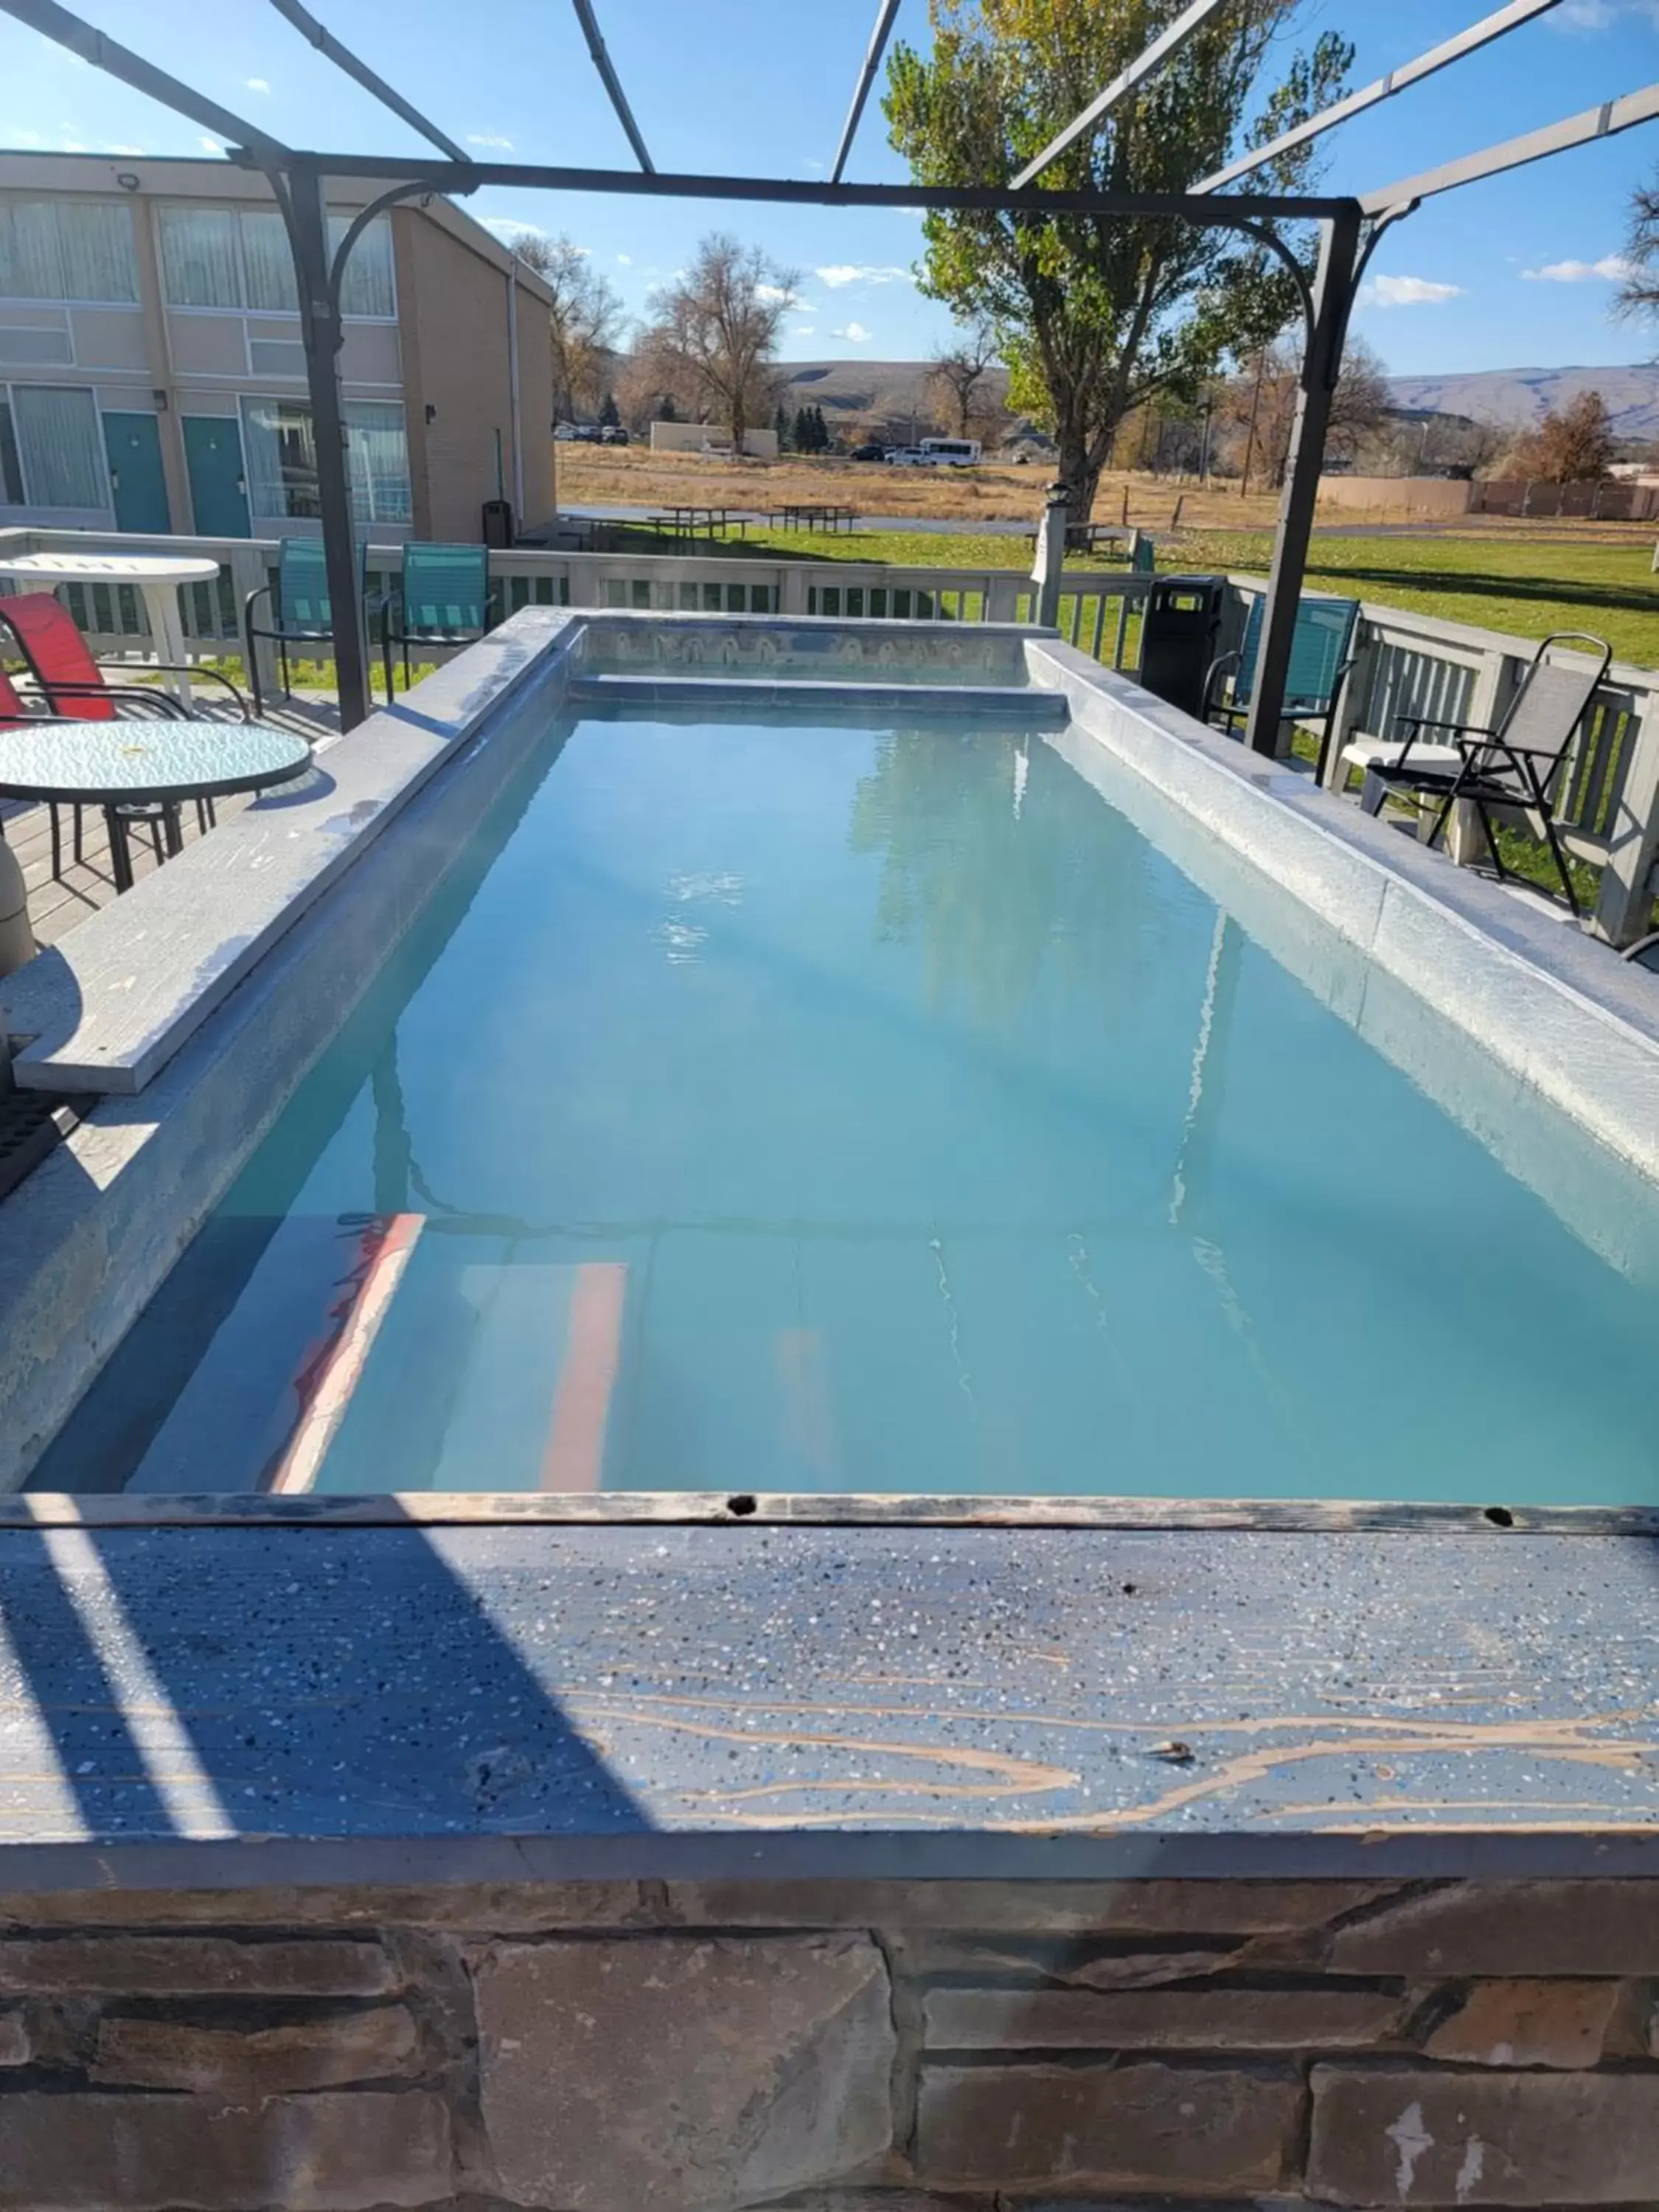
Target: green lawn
{"x": 1525, "y": 586}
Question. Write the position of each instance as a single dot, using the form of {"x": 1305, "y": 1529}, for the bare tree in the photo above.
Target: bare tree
{"x": 720, "y": 322}
{"x": 958, "y": 374}
{"x": 1258, "y": 409}
{"x": 1639, "y": 294}
{"x": 587, "y": 320}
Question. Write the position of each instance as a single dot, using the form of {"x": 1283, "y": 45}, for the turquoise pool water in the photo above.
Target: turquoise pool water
{"x": 868, "y": 1105}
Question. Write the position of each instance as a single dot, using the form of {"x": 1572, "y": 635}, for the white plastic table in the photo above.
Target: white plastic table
{"x": 156, "y": 575}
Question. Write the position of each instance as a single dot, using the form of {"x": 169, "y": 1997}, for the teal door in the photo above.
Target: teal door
{"x": 133, "y": 443}
{"x": 218, "y": 487}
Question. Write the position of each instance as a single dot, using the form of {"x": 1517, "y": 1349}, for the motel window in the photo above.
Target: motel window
{"x": 239, "y": 259}
{"x": 67, "y": 250}
{"x": 52, "y": 451}
{"x": 281, "y": 459}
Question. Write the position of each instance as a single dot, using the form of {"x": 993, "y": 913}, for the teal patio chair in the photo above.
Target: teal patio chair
{"x": 300, "y": 611}
{"x": 445, "y": 598}
{"x": 1322, "y": 654}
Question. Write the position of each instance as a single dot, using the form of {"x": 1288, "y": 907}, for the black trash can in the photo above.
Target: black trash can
{"x": 1179, "y": 637}
{"x": 498, "y": 530}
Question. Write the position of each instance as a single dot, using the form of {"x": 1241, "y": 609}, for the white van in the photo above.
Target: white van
{"x": 950, "y": 453}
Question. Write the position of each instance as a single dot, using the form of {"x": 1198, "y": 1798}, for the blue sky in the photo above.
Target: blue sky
{"x": 1518, "y": 272}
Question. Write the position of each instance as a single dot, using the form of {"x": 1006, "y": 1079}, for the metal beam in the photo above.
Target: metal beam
{"x": 1190, "y": 20}
{"x": 612, "y": 83}
{"x": 305, "y": 210}
{"x": 1604, "y": 122}
{"x": 1334, "y": 288}
{"x": 1413, "y": 72}
{"x": 878, "y": 47}
{"x": 106, "y": 53}
{"x": 342, "y": 58}
{"x": 1212, "y": 211}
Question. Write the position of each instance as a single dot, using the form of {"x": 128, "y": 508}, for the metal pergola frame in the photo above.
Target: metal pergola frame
{"x": 1349, "y": 229}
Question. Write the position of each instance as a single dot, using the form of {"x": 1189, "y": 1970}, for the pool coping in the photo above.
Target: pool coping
{"x": 1547, "y": 1002}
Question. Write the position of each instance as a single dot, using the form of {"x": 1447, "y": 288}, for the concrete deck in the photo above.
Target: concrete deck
{"x": 208, "y": 1706}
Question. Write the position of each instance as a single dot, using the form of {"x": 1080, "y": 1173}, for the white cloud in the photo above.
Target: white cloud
{"x": 13, "y": 137}
{"x": 256, "y": 84}
{"x": 841, "y": 273}
{"x": 509, "y": 227}
{"x": 488, "y": 138}
{"x": 624, "y": 260}
{"x": 132, "y": 153}
{"x": 1602, "y": 14}
{"x": 855, "y": 333}
{"x": 1407, "y": 292}
{"x": 207, "y": 145}
{"x": 1611, "y": 268}
{"x": 805, "y": 330}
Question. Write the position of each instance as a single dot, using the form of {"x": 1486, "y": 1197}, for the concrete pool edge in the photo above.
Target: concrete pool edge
{"x": 93, "y": 1231}
{"x": 1543, "y": 1000}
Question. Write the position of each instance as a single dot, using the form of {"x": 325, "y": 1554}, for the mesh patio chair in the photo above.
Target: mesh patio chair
{"x": 37, "y": 630}
{"x": 1322, "y": 654}
{"x": 301, "y": 611}
{"x": 1519, "y": 763}
{"x": 444, "y": 598}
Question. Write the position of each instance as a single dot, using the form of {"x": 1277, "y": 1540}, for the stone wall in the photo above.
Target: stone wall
{"x": 857, "y": 2047}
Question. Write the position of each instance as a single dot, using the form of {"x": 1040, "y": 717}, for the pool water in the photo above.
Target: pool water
{"x": 865, "y": 1105}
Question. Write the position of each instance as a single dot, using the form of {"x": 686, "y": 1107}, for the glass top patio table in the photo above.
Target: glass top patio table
{"x": 115, "y": 763}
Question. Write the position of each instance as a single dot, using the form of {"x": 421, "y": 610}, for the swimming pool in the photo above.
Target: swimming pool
{"x": 858, "y": 1102}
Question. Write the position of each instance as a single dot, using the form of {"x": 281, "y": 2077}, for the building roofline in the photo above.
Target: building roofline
{"x": 38, "y": 169}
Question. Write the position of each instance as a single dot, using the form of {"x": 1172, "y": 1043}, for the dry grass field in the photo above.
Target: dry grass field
{"x": 633, "y": 475}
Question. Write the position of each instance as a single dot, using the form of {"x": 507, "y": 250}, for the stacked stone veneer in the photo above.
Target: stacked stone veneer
{"x": 846, "y": 2048}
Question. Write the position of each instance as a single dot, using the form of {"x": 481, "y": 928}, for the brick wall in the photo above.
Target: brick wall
{"x": 858, "y": 2047}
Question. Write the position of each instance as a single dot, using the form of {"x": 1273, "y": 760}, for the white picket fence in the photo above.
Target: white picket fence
{"x": 1407, "y": 663}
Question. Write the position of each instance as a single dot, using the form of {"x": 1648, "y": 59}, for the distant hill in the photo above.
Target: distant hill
{"x": 860, "y": 391}
{"x": 1516, "y": 397}
{"x": 873, "y": 390}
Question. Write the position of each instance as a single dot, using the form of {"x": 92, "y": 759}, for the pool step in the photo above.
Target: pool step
{"x": 1013, "y": 702}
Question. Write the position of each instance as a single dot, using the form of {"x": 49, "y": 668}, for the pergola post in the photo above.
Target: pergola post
{"x": 1333, "y": 290}
{"x": 305, "y": 204}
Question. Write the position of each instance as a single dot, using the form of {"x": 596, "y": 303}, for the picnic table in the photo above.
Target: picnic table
{"x": 156, "y": 577}
{"x": 810, "y": 518}
{"x": 711, "y": 522}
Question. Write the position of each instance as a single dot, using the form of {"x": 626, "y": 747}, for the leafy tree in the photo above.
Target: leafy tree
{"x": 1573, "y": 445}
{"x": 820, "y": 432}
{"x": 1095, "y": 316}
{"x": 586, "y": 314}
{"x": 802, "y": 432}
{"x": 780, "y": 425}
{"x": 721, "y": 321}
{"x": 668, "y": 412}
{"x": 610, "y": 414}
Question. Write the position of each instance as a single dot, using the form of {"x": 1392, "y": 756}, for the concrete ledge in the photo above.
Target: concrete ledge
{"x": 1548, "y": 1004}
{"x": 1012, "y": 704}
{"x": 90, "y": 1235}
{"x": 112, "y": 1005}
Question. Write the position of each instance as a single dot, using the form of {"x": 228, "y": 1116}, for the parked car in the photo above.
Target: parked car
{"x": 613, "y": 434}
{"x": 868, "y": 453}
{"x": 908, "y": 457}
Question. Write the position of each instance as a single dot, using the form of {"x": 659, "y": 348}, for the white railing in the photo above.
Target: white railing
{"x": 1406, "y": 664}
